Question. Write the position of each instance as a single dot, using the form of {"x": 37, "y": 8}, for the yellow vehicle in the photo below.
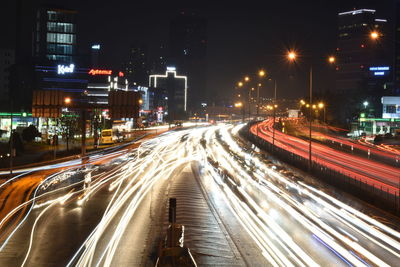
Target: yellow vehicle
{"x": 107, "y": 136}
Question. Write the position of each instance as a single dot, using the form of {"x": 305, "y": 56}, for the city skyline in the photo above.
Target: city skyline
{"x": 239, "y": 38}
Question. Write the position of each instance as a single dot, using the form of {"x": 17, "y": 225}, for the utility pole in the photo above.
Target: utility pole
{"x": 273, "y": 124}
{"x": 83, "y": 121}
{"x": 258, "y": 98}
{"x": 11, "y": 141}
{"x": 309, "y": 149}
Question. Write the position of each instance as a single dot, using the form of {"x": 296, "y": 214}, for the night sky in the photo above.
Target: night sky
{"x": 241, "y": 37}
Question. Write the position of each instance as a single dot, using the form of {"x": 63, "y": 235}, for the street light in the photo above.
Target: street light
{"x": 246, "y": 79}
{"x": 292, "y": 55}
{"x": 240, "y": 105}
{"x": 261, "y": 74}
{"x": 365, "y": 104}
{"x": 374, "y": 35}
{"x": 331, "y": 59}
{"x": 240, "y": 84}
{"x": 67, "y": 100}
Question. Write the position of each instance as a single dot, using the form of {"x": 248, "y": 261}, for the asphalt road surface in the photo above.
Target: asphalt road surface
{"x": 238, "y": 209}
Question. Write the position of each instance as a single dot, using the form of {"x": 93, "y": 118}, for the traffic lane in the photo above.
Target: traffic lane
{"x": 302, "y": 150}
{"x": 58, "y": 234}
{"x": 22, "y": 186}
{"x": 314, "y": 204}
{"x": 12, "y": 197}
{"x": 286, "y": 219}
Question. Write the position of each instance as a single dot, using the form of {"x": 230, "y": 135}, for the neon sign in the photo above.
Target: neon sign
{"x": 100, "y": 72}
{"x": 379, "y": 68}
{"x": 62, "y": 69}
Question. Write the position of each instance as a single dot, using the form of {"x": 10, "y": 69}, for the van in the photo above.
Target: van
{"x": 106, "y": 136}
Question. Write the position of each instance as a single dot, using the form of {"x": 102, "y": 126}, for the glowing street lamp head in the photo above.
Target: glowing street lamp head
{"x": 331, "y": 59}
{"x": 246, "y": 79}
{"x": 238, "y": 105}
{"x": 67, "y": 100}
{"x": 240, "y": 84}
{"x": 374, "y": 35}
{"x": 292, "y": 55}
{"x": 261, "y": 73}
{"x": 321, "y": 105}
{"x": 302, "y": 102}
{"x": 140, "y": 101}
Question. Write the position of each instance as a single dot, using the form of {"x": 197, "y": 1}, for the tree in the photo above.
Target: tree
{"x": 29, "y": 133}
{"x": 68, "y": 128}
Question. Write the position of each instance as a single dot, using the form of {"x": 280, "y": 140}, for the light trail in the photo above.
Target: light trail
{"x": 292, "y": 222}
{"x": 245, "y": 190}
{"x": 360, "y": 169}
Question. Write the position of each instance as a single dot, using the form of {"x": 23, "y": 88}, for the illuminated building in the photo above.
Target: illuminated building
{"x": 54, "y": 35}
{"x": 136, "y": 68}
{"x": 46, "y": 39}
{"x": 177, "y": 91}
{"x": 364, "y": 68}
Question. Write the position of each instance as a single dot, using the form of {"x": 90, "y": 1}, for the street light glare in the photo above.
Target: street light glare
{"x": 374, "y": 35}
{"x": 291, "y": 55}
{"x": 331, "y": 59}
{"x": 240, "y": 84}
{"x": 321, "y": 105}
{"x": 246, "y": 79}
{"x": 261, "y": 73}
{"x": 67, "y": 100}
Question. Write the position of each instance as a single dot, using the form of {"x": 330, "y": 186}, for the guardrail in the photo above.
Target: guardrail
{"x": 356, "y": 187}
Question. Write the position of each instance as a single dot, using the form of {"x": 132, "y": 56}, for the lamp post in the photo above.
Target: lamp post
{"x": 261, "y": 74}
{"x": 292, "y": 58}
{"x": 322, "y": 106}
{"x": 240, "y": 105}
{"x": 275, "y": 106}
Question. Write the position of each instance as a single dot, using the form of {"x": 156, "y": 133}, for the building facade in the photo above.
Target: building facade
{"x": 137, "y": 67}
{"x": 54, "y": 37}
{"x": 188, "y": 51}
{"x": 7, "y": 59}
{"x": 364, "y": 61}
{"x": 176, "y": 87}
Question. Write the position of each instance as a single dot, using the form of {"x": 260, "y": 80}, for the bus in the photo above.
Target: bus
{"x": 107, "y": 136}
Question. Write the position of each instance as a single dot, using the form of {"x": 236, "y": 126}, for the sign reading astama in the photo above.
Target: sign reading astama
{"x": 100, "y": 72}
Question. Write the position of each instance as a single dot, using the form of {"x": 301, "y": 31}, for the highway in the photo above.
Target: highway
{"x": 239, "y": 208}
{"x": 321, "y": 132}
{"x": 368, "y": 171}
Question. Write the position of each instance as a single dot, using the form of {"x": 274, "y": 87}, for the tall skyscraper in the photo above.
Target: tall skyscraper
{"x": 46, "y": 39}
{"x": 364, "y": 59}
{"x": 188, "y": 51}
{"x": 7, "y": 59}
{"x": 54, "y": 37}
{"x": 136, "y": 68}
{"x": 396, "y": 27}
